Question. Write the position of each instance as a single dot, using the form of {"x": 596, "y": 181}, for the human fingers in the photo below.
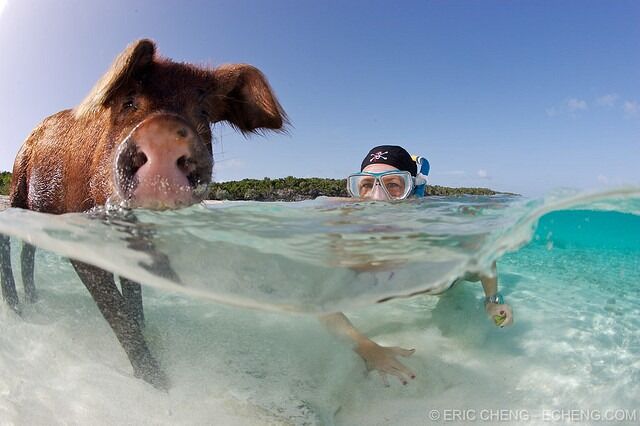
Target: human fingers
{"x": 396, "y": 372}
{"x": 403, "y": 369}
{"x": 396, "y": 350}
{"x": 508, "y": 313}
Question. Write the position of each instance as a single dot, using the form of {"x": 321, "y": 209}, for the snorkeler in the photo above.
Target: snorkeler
{"x": 388, "y": 173}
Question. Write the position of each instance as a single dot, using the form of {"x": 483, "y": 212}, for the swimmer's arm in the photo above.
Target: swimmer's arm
{"x": 340, "y": 326}
{"x": 502, "y": 314}
{"x": 490, "y": 283}
{"x": 376, "y": 357}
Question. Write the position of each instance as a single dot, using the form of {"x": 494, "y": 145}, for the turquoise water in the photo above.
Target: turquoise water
{"x": 237, "y": 330}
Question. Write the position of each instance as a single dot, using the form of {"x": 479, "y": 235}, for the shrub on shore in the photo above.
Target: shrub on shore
{"x": 5, "y": 183}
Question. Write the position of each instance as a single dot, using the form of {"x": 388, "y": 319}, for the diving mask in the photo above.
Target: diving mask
{"x": 396, "y": 184}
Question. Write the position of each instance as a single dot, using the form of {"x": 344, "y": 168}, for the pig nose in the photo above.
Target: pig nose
{"x": 165, "y": 155}
{"x": 161, "y": 162}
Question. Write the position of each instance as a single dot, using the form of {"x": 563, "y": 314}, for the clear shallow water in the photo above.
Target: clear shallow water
{"x": 573, "y": 285}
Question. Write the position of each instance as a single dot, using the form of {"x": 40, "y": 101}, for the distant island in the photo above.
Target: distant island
{"x": 288, "y": 189}
{"x": 298, "y": 189}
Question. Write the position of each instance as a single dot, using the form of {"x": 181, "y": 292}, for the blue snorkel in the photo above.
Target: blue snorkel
{"x": 422, "y": 166}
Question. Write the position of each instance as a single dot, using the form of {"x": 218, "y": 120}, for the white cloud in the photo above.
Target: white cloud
{"x": 603, "y": 179}
{"x": 570, "y": 107}
{"x": 3, "y": 5}
{"x": 482, "y": 174}
{"x": 574, "y": 105}
{"x": 609, "y": 100}
{"x": 631, "y": 108}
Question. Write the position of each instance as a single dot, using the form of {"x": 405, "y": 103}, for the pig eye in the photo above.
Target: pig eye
{"x": 129, "y": 104}
{"x": 130, "y": 101}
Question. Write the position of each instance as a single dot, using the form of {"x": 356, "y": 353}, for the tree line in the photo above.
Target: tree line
{"x": 5, "y": 183}
{"x": 287, "y": 189}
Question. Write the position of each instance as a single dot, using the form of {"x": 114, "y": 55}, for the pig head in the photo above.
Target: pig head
{"x": 142, "y": 136}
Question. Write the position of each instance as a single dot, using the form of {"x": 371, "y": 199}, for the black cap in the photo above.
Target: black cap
{"x": 392, "y": 155}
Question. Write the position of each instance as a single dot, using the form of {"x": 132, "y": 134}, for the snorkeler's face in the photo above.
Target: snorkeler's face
{"x": 395, "y": 186}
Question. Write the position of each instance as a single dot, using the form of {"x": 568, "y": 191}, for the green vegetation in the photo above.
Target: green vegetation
{"x": 286, "y": 189}
{"x": 296, "y": 189}
{"x": 451, "y": 192}
{"x": 5, "y": 183}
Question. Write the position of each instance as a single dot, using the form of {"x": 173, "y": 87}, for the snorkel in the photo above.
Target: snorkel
{"x": 422, "y": 165}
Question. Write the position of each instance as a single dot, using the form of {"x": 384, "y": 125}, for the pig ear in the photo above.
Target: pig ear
{"x": 128, "y": 65}
{"x": 245, "y": 99}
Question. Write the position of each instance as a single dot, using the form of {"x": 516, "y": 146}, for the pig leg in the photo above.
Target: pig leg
{"x": 132, "y": 293}
{"x": 139, "y": 237}
{"x": 9, "y": 293}
{"x": 113, "y": 306}
{"x": 26, "y": 258}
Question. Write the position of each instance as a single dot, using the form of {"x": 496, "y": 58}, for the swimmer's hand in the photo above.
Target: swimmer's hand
{"x": 376, "y": 357}
{"x": 501, "y": 314}
{"x": 383, "y": 359}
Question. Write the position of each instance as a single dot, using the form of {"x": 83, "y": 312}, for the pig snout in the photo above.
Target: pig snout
{"x": 161, "y": 163}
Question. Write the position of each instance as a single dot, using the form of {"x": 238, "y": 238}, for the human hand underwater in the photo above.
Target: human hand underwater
{"x": 383, "y": 360}
{"x": 500, "y": 314}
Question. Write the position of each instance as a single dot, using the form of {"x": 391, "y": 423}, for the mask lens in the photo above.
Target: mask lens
{"x": 398, "y": 185}
{"x": 360, "y": 185}
{"x": 395, "y": 185}
{"x": 365, "y": 185}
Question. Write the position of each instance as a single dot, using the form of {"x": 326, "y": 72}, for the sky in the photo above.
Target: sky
{"x": 517, "y": 96}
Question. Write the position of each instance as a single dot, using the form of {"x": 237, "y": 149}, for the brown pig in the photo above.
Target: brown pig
{"x": 141, "y": 138}
{"x": 141, "y": 135}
